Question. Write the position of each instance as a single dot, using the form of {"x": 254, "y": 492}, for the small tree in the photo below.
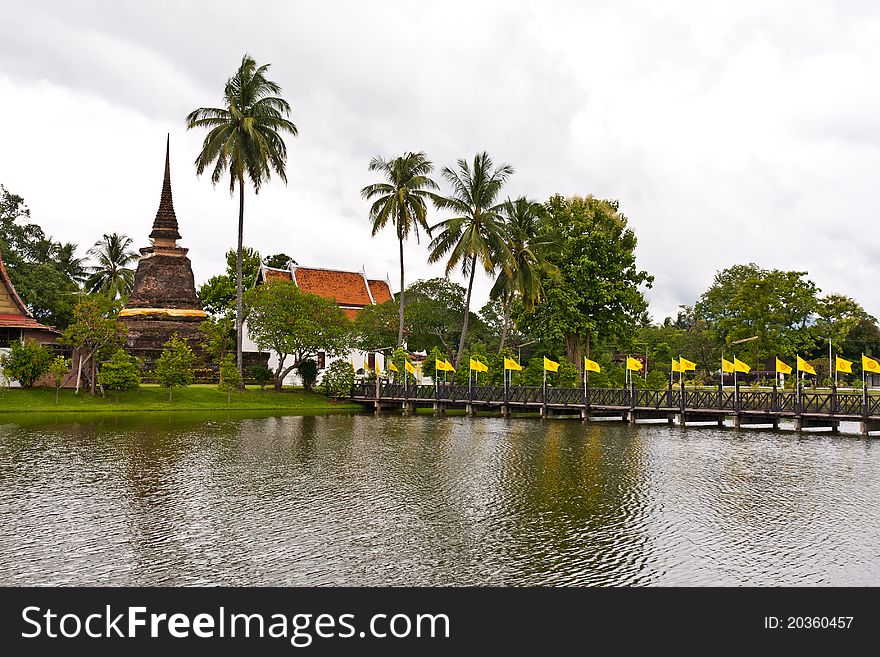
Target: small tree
{"x": 95, "y": 332}
{"x": 174, "y": 368}
{"x": 26, "y": 362}
{"x": 338, "y": 379}
{"x": 121, "y": 372}
{"x": 58, "y": 369}
{"x": 229, "y": 376}
{"x": 308, "y": 372}
{"x": 262, "y": 375}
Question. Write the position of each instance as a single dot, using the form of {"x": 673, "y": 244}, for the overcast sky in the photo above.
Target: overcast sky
{"x": 729, "y": 132}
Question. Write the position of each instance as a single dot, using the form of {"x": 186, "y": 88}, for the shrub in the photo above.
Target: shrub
{"x": 26, "y": 362}
{"x": 308, "y": 372}
{"x": 262, "y": 375}
{"x": 229, "y": 377}
{"x": 174, "y": 368}
{"x": 338, "y": 379}
{"x": 121, "y": 372}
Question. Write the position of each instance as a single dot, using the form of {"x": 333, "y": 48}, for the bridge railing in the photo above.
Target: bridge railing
{"x": 776, "y": 401}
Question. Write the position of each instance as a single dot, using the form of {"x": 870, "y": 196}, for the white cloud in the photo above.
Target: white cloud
{"x": 729, "y": 133}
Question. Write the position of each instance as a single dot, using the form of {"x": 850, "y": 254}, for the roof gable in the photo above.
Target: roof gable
{"x": 10, "y": 302}
{"x": 380, "y": 290}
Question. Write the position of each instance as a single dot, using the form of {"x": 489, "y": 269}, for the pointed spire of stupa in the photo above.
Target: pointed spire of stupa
{"x": 165, "y": 224}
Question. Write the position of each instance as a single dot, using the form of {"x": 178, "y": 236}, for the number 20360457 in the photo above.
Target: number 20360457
{"x": 808, "y": 622}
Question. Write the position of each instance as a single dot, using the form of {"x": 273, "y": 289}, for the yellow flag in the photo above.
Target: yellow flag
{"x": 843, "y": 365}
{"x": 676, "y": 366}
{"x": 510, "y": 364}
{"x": 727, "y": 366}
{"x": 804, "y": 366}
{"x": 409, "y": 367}
{"x": 448, "y": 366}
{"x": 550, "y": 365}
{"x": 782, "y": 367}
{"x": 477, "y": 366}
{"x": 633, "y": 364}
{"x": 366, "y": 366}
{"x": 686, "y": 365}
{"x": 870, "y": 365}
{"x": 392, "y": 366}
{"x": 439, "y": 365}
{"x": 591, "y": 365}
{"x": 378, "y": 369}
{"x": 740, "y": 366}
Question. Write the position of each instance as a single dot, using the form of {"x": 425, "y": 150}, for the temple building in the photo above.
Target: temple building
{"x": 163, "y": 301}
{"x": 351, "y": 290}
{"x": 16, "y": 321}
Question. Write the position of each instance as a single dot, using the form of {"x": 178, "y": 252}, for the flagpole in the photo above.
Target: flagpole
{"x": 797, "y": 381}
{"x": 830, "y": 367}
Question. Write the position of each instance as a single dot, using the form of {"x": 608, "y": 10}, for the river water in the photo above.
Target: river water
{"x": 183, "y": 499}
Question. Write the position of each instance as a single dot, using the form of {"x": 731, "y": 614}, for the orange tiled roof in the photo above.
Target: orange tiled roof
{"x": 347, "y": 288}
{"x": 22, "y": 321}
{"x": 381, "y": 291}
{"x": 277, "y": 274}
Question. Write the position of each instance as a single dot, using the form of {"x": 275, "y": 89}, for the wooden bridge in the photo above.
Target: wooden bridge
{"x": 807, "y": 410}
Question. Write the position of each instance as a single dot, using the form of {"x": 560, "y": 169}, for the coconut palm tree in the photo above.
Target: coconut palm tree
{"x": 244, "y": 140}
{"x": 112, "y": 276}
{"x": 401, "y": 200}
{"x": 475, "y": 233}
{"x": 521, "y": 277}
{"x": 68, "y": 262}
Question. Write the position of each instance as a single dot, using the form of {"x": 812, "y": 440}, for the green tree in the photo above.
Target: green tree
{"x": 26, "y": 362}
{"x": 308, "y": 372}
{"x": 219, "y": 337}
{"x": 520, "y": 277}
{"x": 174, "y": 368}
{"x": 95, "y": 332}
{"x": 475, "y": 233}
{"x": 435, "y": 314}
{"x": 122, "y": 372}
{"x": 375, "y": 327}
{"x": 58, "y": 369}
{"x": 292, "y": 323}
{"x": 261, "y": 375}
{"x": 218, "y": 293}
{"x": 596, "y": 291}
{"x": 244, "y": 140}
{"x": 74, "y": 268}
{"x": 112, "y": 276}
{"x": 278, "y": 261}
{"x": 229, "y": 376}
{"x": 402, "y": 200}
{"x": 777, "y": 306}
{"x": 338, "y": 379}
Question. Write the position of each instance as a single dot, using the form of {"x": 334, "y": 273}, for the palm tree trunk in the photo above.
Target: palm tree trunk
{"x": 400, "y": 330}
{"x": 467, "y": 312}
{"x": 507, "y": 305}
{"x": 238, "y": 287}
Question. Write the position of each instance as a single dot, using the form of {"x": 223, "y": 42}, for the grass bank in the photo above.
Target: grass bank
{"x": 154, "y": 398}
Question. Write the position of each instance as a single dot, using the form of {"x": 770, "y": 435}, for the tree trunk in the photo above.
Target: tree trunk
{"x": 467, "y": 312}
{"x": 586, "y": 355}
{"x": 79, "y": 373}
{"x": 238, "y": 287}
{"x": 573, "y": 349}
{"x": 92, "y": 382}
{"x": 170, "y": 390}
{"x": 507, "y": 304}
{"x": 400, "y": 330}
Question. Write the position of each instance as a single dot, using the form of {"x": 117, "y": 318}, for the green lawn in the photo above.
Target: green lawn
{"x": 154, "y": 398}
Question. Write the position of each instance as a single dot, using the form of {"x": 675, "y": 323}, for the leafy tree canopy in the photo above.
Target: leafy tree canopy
{"x": 218, "y": 293}
{"x": 294, "y": 324}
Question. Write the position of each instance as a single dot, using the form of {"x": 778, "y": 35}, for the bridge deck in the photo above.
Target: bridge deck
{"x": 748, "y": 404}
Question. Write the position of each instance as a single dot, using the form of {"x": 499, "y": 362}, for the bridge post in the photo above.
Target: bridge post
{"x": 469, "y": 409}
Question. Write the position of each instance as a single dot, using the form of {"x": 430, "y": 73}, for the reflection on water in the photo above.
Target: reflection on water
{"x": 356, "y": 499}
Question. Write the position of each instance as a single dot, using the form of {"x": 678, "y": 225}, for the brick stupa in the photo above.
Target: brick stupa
{"x": 164, "y": 299}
